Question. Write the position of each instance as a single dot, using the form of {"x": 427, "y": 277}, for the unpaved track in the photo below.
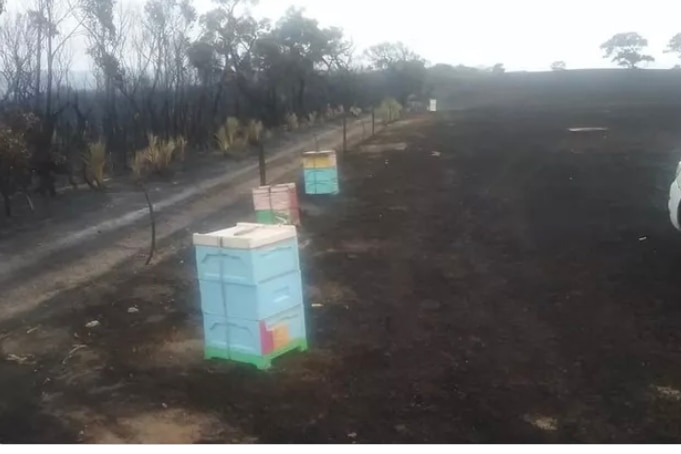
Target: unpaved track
{"x": 92, "y": 253}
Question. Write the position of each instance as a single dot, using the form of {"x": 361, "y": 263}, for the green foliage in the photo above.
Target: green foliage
{"x": 15, "y": 156}
{"x": 15, "y": 169}
{"x": 389, "y": 111}
{"x": 165, "y": 69}
{"x": 558, "y": 66}
{"x": 95, "y": 161}
{"x": 404, "y": 70}
{"x": 626, "y": 49}
{"x": 155, "y": 159}
{"x": 674, "y": 45}
{"x": 388, "y": 55}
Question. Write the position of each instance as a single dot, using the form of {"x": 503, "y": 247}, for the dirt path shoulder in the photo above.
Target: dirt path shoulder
{"x": 40, "y": 264}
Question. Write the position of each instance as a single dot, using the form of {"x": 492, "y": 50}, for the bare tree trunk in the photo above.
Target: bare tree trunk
{"x": 152, "y": 220}
{"x": 166, "y": 116}
{"x": 373, "y": 121}
{"x": 50, "y": 61}
{"x": 216, "y": 101}
{"x": 39, "y": 57}
{"x": 262, "y": 164}
{"x": 345, "y": 132}
{"x": 29, "y": 202}
{"x": 301, "y": 96}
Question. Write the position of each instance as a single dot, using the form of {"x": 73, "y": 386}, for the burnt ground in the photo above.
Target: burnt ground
{"x": 485, "y": 276}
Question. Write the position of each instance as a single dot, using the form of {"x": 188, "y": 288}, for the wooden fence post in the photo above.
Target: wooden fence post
{"x": 262, "y": 164}
{"x": 345, "y": 132}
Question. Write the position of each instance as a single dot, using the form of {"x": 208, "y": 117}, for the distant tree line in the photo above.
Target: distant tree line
{"x": 166, "y": 75}
{"x": 628, "y": 50}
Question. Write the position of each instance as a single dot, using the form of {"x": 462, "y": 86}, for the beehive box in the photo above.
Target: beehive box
{"x": 255, "y": 342}
{"x": 255, "y": 302}
{"x": 247, "y": 254}
{"x": 276, "y": 204}
{"x": 249, "y": 277}
{"x": 321, "y": 181}
{"x": 319, "y": 159}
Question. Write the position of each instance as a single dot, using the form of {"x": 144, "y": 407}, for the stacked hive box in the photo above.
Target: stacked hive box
{"x": 251, "y": 293}
{"x": 320, "y": 172}
{"x": 276, "y": 204}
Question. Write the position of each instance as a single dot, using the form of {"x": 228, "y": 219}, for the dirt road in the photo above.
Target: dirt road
{"x": 63, "y": 251}
{"x": 484, "y": 276}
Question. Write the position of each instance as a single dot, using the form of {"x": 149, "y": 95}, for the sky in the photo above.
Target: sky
{"x": 524, "y": 35}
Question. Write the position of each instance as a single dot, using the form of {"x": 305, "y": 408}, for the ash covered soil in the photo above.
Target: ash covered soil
{"x": 484, "y": 276}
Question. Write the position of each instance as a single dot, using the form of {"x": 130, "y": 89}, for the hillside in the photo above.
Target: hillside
{"x": 455, "y": 89}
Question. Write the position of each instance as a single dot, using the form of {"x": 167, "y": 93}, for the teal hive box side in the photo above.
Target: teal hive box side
{"x": 321, "y": 180}
{"x": 254, "y": 341}
{"x": 254, "y": 302}
{"x": 247, "y": 266}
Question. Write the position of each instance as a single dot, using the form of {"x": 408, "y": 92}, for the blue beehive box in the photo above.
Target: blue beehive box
{"x": 321, "y": 180}
{"x": 236, "y": 264}
{"x": 250, "y": 285}
{"x": 254, "y": 302}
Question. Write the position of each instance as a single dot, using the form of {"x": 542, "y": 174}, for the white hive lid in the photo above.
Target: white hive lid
{"x": 246, "y": 236}
{"x": 319, "y": 153}
{"x": 261, "y": 189}
{"x": 284, "y": 186}
{"x": 274, "y": 187}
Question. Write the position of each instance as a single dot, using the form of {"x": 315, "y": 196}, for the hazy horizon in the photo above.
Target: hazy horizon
{"x": 524, "y": 35}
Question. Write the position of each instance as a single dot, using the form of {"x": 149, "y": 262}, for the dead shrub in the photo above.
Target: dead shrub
{"x": 95, "y": 162}
{"x": 228, "y": 138}
{"x": 292, "y": 122}
{"x": 255, "y": 132}
{"x": 155, "y": 159}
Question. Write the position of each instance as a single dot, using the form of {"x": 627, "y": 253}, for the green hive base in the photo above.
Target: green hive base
{"x": 265, "y": 217}
{"x": 261, "y": 362}
{"x": 274, "y": 217}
